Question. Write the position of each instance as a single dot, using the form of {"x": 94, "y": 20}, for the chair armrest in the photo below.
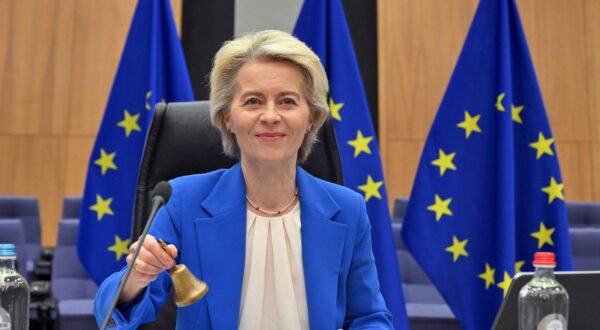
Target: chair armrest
{"x": 43, "y": 266}
{"x": 39, "y": 290}
{"x": 42, "y": 314}
{"x": 47, "y": 253}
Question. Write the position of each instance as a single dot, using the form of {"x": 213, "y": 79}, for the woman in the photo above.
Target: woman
{"x": 278, "y": 248}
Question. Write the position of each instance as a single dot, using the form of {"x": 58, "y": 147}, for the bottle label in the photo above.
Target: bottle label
{"x": 553, "y": 322}
{"x": 4, "y": 319}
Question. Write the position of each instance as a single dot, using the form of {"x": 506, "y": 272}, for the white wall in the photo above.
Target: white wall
{"x": 256, "y": 15}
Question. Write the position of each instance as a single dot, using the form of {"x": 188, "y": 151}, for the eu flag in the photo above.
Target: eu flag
{"x": 322, "y": 26}
{"x": 152, "y": 69}
{"x": 488, "y": 191}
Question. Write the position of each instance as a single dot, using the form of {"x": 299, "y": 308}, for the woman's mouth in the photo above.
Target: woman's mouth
{"x": 274, "y": 136}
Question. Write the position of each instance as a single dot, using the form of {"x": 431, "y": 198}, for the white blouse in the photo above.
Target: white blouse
{"x": 273, "y": 292}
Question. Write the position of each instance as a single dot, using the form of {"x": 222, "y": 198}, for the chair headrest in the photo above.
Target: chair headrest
{"x": 71, "y": 207}
{"x": 67, "y": 232}
{"x": 19, "y": 206}
{"x": 11, "y": 231}
{"x": 181, "y": 141}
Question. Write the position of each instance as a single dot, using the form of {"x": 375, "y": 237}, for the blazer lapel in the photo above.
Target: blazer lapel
{"x": 222, "y": 247}
{"x": 322, "y": 248}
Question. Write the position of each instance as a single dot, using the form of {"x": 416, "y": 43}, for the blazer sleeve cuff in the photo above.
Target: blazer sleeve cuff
{"x": 131, "y": 314}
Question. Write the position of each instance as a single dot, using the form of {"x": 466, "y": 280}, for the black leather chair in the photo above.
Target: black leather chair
{"x": 182, "y": 141}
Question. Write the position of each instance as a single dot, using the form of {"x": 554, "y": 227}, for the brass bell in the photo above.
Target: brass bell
{"x": 188, "y": 289}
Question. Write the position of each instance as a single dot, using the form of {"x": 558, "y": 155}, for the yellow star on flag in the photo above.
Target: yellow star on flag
{"x": 505, "y": 284}
{"x": 516, "y": 114}
{"x": 371, "y": 188}
{"x": 148, "y": 95}
{"x": 129, "y": 123}
{"x": 470, "y": 124}
{"x": 518, "y": 265}
{"x": 499, "y": 100}
{"x": 457, "y": 248}
{"x": 544, "y": 235}
{"x": 335, "y": 109}
{"x": 102, "y": 207}
{"x": 444, "y": 162}
{"x": 554, "y": 190}
{"x": 488, "y": 276}
{"x": 361, "y": 144}
{"x": 120, "y": 247}
{"x": 440, "y": 207}
{"x": 542, "y": 146}
{"x": 106, "y": 161}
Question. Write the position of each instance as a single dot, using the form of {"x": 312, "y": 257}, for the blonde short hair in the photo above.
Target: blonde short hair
{"x": 269, "y": 45}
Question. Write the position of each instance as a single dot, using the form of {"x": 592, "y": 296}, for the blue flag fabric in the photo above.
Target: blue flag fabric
{"x": 152, "y": 69}
{"x": 488, "y": 191}
{"x": 322, "y": 26}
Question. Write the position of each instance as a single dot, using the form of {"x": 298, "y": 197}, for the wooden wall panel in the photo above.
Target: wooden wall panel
{"x": 58, "y": 59}
{"x": 102, "y": 27}
{"x": 577, "y": 170}
{"x": 595, "y": 177}
{"x": 403, "y": 163}
{"x": 419, "y": 43}
{"x": 591, "y": 22}
{"x": 34, "y": 166}
{"x": 415, "y": 51}
{"x": 26, "y": 68}
{"x": 78, "y": 157}
{"x": 559, "y": 56}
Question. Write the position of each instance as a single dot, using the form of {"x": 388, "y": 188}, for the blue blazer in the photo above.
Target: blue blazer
{"x": 205, "y": 219}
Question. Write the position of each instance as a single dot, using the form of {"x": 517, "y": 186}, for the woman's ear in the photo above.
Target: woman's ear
{"x": 227, "y": 122}
{"x": 311, "y": 120}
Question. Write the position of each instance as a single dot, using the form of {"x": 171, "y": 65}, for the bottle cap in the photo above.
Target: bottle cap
{"x": 8, "y": 250}
{"x": 544, "y": 259}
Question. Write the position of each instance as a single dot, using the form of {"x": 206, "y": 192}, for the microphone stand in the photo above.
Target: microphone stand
{"x": 157, "y": 202}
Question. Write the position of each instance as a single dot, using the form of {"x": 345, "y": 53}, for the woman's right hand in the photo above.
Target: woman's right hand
{"x": 151, "y": 261}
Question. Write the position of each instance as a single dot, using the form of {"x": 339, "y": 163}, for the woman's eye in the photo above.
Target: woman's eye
{"x": 251, "y": 101}
{"x": 289, "y": 101}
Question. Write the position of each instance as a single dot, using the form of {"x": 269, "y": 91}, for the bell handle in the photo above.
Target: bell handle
{"x": 164, "y": 245}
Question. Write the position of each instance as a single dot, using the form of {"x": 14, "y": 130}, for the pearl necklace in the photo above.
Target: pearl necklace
{"x": 285, "y": 208}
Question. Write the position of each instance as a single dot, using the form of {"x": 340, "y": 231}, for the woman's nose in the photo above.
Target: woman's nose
{"x": 270, "y": 114}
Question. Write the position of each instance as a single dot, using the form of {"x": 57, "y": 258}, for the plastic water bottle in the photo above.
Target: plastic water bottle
{"x": 14, "y": 292}
{"x": 543, "y": 302}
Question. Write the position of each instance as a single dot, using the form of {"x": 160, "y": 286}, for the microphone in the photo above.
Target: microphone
{"x": 160, "y": 196}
